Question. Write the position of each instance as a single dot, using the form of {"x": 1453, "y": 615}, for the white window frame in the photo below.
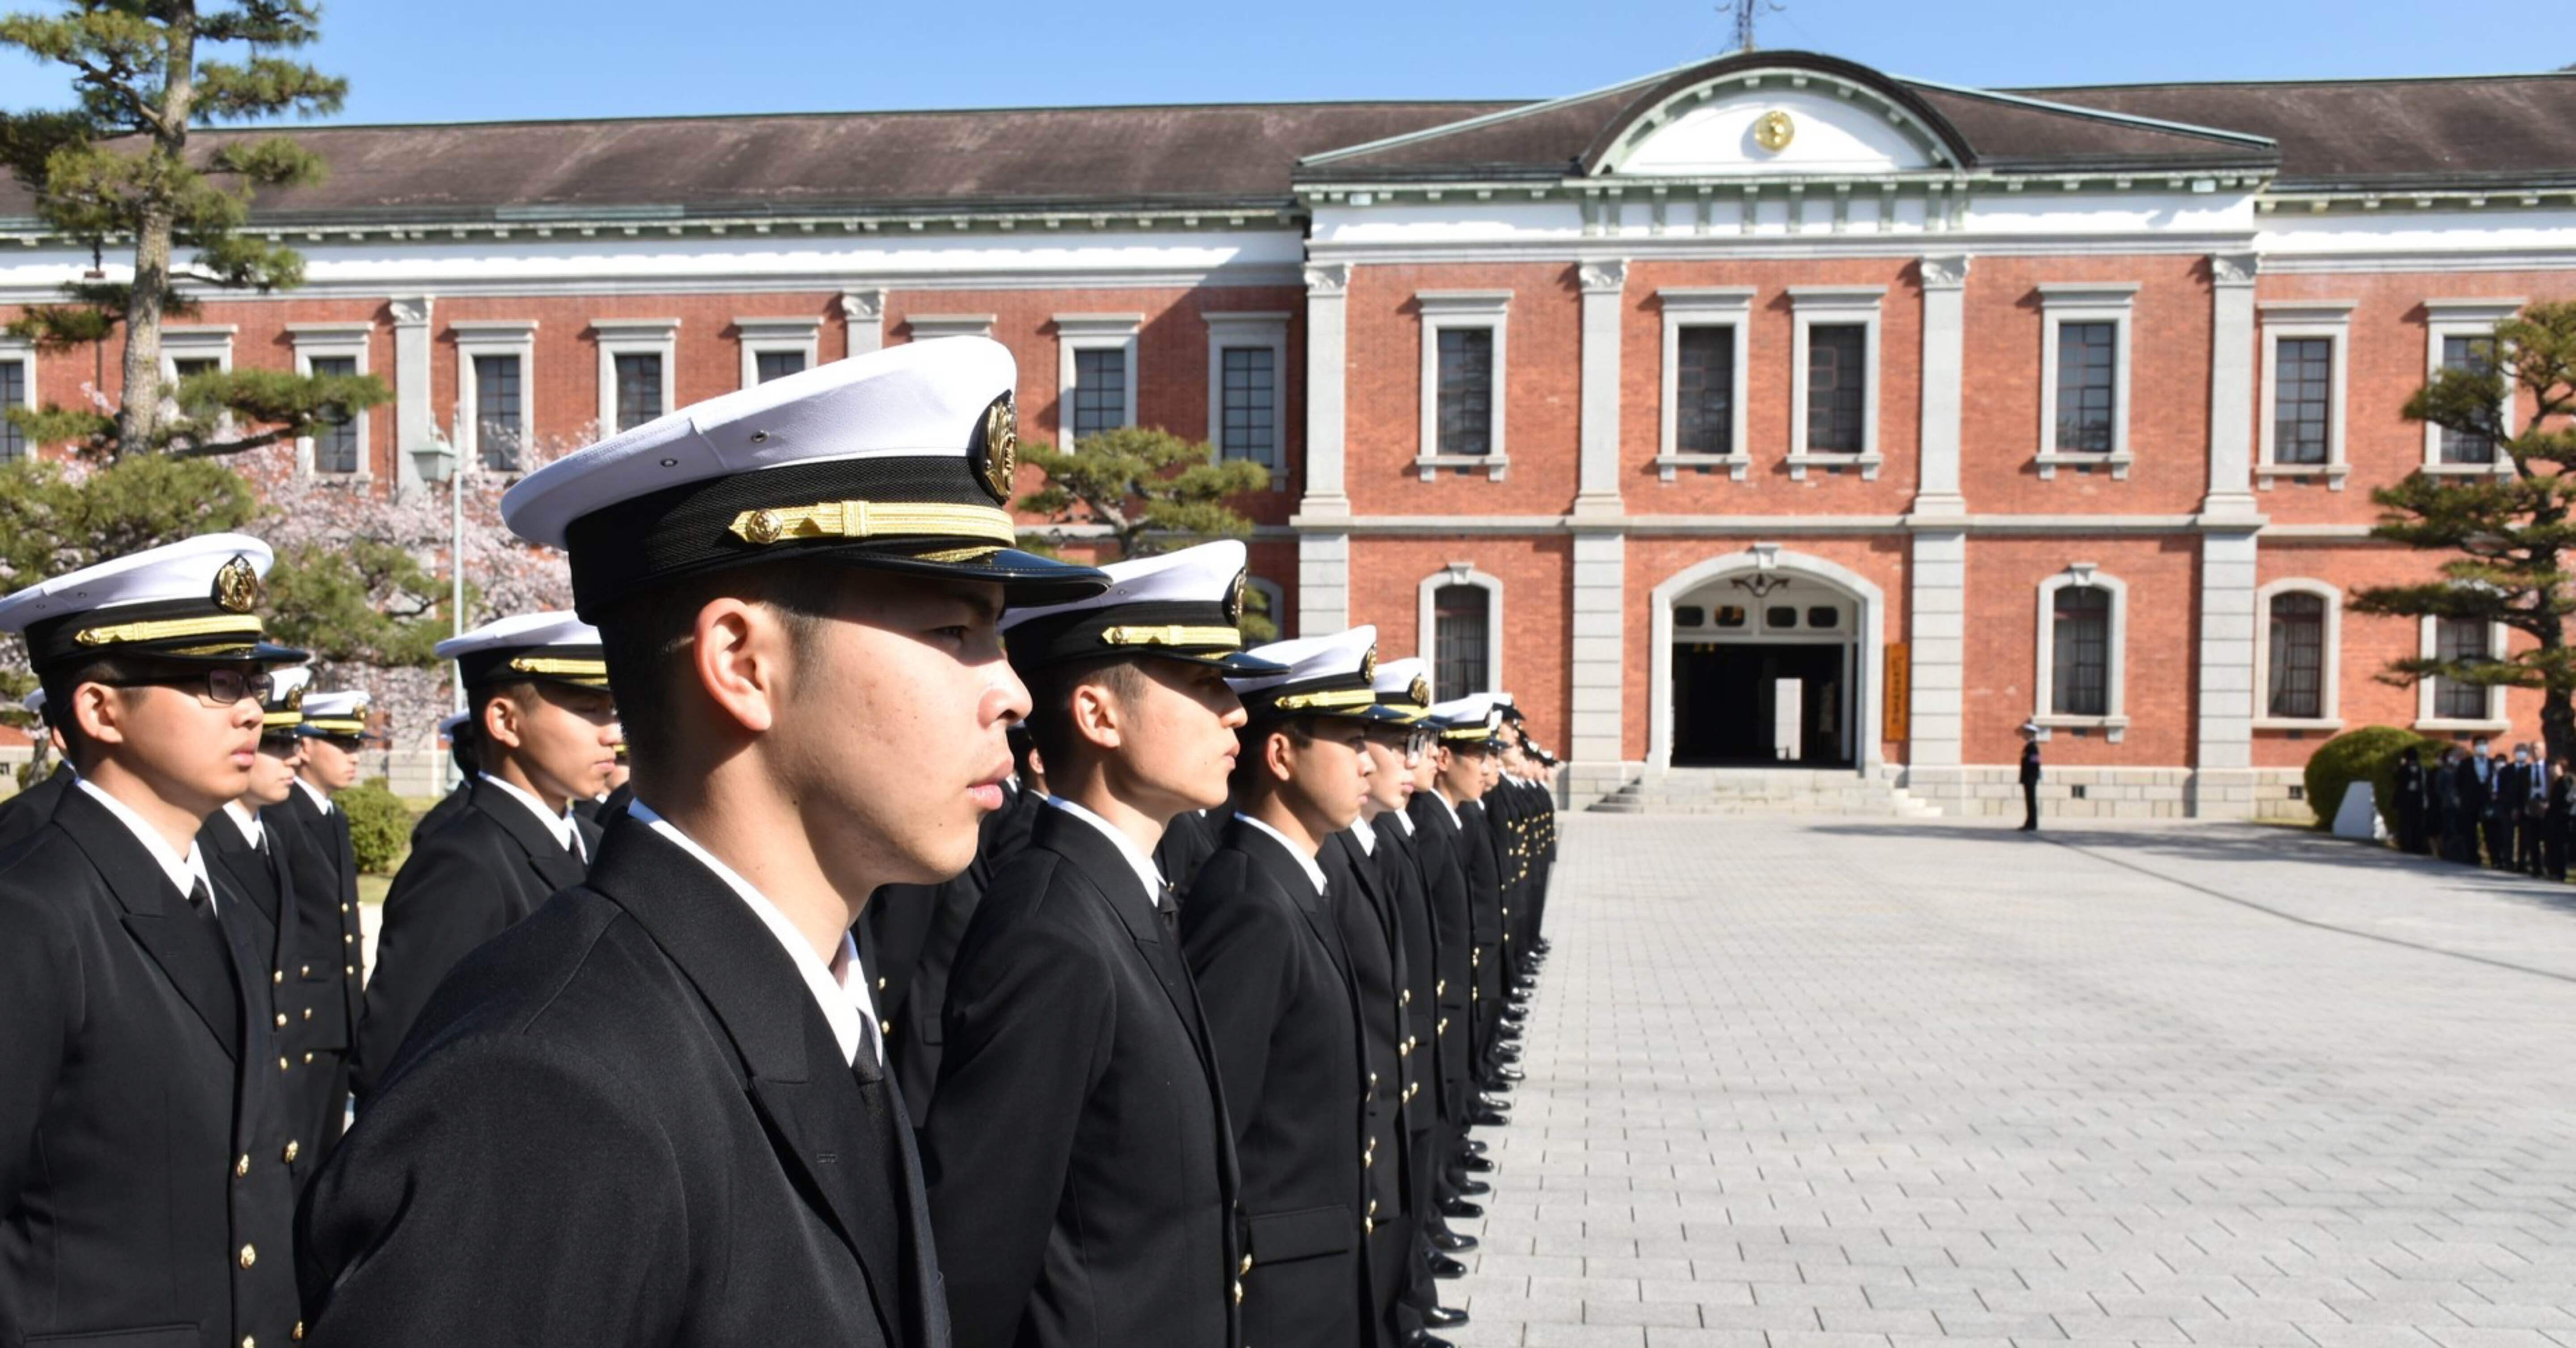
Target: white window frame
{"x": 2330, "y": 673}
{"x": 330, "y": 340}
{"x": 516, "y": 337}
{"x": 1835, "y": 306}
{"x": 2115, "y": 722}
{"x": 1705, "y": 307}
{"x": 23, "y": 352}
{"x": 932, "y": 327}
{"x": 766, "y": 336}
{"x": 1238, "y": 331}
{"x": 1466, "y": 310}
{"x": 634, "y": 337}
{"x": 2061, "y": 303}
{"x": 2464, "y": 318}
{"x": 1460, "y": 573}
{"x": 2428, "y": 644}
{"x": 1275, "y": 597}
{"x": 1092, "y": 332}
{"x": 2329, "y": 319}
{"x": 203, "y": 341}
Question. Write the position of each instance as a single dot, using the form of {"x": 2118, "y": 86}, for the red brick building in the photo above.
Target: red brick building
{"x": 1771, "y": 407}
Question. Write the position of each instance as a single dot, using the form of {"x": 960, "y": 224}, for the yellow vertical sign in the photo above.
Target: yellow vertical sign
{"x": 1898, "y": 693}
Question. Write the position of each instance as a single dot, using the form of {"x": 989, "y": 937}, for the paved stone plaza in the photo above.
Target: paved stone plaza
{"x": 1799, "y": 1082}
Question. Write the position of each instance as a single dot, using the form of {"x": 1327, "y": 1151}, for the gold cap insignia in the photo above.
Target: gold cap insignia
{"x": 1234, "y": 600}
{"x": 1368, "y": 663}
{"x": 237, "y": 585}
{"x": 998, "y": 450}
{"x": 295, "y": 699}
{"x": 1420, "y": 693}
{"x": 1773, "y": 131}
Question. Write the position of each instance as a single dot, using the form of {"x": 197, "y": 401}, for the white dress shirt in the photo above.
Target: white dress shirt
{"x": 1454, "y": 820}
{"x": 1404, "y": 819}
{"x": 1305, "y": 859}
{"x": 1366, "y": 832}
{"x": 840, "y": 988}
{"x": 247, "y": 820}
{"x": 185, "y": 872}
{"x": 1147, "y": 874}
{"x": 559, "y": 825}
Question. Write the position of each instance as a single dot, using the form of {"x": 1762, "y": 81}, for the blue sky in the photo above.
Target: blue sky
{"x": 460, "y": 60}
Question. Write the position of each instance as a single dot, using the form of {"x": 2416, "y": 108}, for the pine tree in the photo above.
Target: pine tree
{"x": 119, "y": 169}
{"x": 1152, "y": 489}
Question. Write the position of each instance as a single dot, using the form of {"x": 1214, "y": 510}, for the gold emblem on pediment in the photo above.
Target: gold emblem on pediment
{"x": 1774, "y": 130}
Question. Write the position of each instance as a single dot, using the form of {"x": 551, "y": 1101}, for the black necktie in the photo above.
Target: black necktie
{"x": 201, "y": 901}
{"x": 1167, "y": 906}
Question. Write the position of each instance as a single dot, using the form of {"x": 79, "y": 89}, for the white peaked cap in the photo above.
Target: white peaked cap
{"x": 447, "y": 724}
{"x": 1202, "y": 574}
{"x": 182, "y": 570}
{"x": 522, "y": 631}
{"x": 284, "y": 683}
{"x": 1397, "y": 676}
{"x": 1342, "y": 656}
{"x": 34, "y": 702}
{"x": 346, "y": 702}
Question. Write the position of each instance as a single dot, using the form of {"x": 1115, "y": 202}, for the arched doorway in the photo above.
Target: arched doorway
{"x": 1765, "y": 658}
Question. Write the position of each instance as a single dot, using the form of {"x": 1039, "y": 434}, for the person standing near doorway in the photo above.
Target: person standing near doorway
{"x": 2030, "y": 776}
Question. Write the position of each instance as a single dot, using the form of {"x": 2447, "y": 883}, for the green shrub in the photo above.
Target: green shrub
{"x": 2370, "y": 754}
{"x": 379, "y": 826}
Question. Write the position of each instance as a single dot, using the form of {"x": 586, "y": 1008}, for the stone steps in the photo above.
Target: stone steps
{"x": 1764, "y": 791}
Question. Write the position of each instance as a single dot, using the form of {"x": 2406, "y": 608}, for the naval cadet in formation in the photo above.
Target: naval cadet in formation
{"x": 326, "y": 979}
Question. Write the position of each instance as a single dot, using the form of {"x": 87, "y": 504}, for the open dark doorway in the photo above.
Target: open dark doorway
{"x": 1726, "y": 704}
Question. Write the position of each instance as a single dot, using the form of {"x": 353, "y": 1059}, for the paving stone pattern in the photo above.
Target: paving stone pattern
{"x": 1816, "y": 1083}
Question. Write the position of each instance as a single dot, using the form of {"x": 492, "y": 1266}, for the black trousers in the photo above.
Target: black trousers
{"x": 2030, "y": 804}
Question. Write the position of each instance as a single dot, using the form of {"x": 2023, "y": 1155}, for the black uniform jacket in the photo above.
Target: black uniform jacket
{"x": 1266, "y": 953}
{"x": 265, "y": 926}
{"x": 1188, "y": 841}
{"x": 1081, "y": 1172}
{"x": 1438, "y": 845}
{"x": 28, "y": 810}
{"x": 910, "y": 935}
{"x": 327, "y": 975}
{"x": 479, "y": 874}
{"x": 1482, "y": 860}
{"x": 145, "y": 1199}
{"x": 625, "y": 1122}
{"x": 1399, "y": 865}
{"x": 1364, "y": 906}
{"x": 436, "y": 816}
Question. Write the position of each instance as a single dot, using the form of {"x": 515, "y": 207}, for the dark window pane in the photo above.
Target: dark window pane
{"x": 1730, "y": 615}
{"x": 639, "y": 388}
{"x": 2468, "y": 353}
{"x": 1099, "y": 391}
{"x": 2298, "y": 660}
{"x": 499, "y": 413}
{"x": 1837, "y": 387}
{"x": 1780, "y": 615}
{"x": 2080, "y": 672}
{"x": 2302, "y": 405}
{"x": 1467, "y": 391}
{"x": 1704, "y": 412}
{"x": 768, "y": 365}
{"x": 1823, "y": 615}
{"x": 13, "y": 393}
{"x": 1461, "y": 624}
{"x": 2460, "y": 639}
{"x": 193, "y": 366}
{"x": 2086, "y": 353}
{"x": 1248, "y": 426}
{"x": 336, "y": 450}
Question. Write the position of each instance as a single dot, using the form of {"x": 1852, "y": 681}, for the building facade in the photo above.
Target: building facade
{"x": 1769, "y": 409}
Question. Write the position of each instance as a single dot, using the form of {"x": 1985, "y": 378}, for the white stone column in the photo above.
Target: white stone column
{"x": 1945, "y": 287}
{"x": 1597, "y": 661}
{"x": 1939, "y": 637}
{"x": 864, "y": 312}
{"x": 2231, "y": 385}
{"x": 2223, "y": 738}
{"x": 415, "y": 419}
{"x": 1323, "y": 583}
{"x": 1597, "y": 482}
{"x": 1323, "y": 544}
{"x": 1937, "y": 603}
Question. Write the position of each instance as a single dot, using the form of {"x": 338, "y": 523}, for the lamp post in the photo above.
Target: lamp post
{"x": 437, "y": 461}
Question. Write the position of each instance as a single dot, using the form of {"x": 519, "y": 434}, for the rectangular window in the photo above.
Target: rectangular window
{"x": 2081, "y": 667}
{"x": 2468, "y": 353}
{"x": 497, "y": 411}
{"x": 1704, "y": 416}
{"x": 190, "y": 367}
{"x": 2087, "y": 355}
{"x": 2298, "y": 657}
{"x": 1249, "y": 430}
{"x": 2302, "y": 407}
{"x": 770, "y": 365}
{"x": 1099, "y": 390}
{"x": 13, "y": 393}
{"x": 1837, "y": 387}
{"x": 1462, "y": 627}
{"x": 639, "y": 388}
{"x": 2463, "y": 640}
{"x": 1467, "y": 391}
{"x": 335, "y": 450}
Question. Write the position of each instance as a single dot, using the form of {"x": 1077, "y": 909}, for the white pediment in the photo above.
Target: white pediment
{"x": 1734, "y": 129}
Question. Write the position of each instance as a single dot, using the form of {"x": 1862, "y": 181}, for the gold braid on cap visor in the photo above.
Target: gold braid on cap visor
{"x": 872, "y": 519}
{"x": 1329, "y": 698}
{"x": 171, "y": 629}
{"x": 590, "y": 671}
{"x": 335, "y": 726}
{"x": 1173, "y": 634}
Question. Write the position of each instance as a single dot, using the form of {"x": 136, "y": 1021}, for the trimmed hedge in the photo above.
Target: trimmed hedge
{"x": 2368, "y": 753}
{"x": 379, "y": 826}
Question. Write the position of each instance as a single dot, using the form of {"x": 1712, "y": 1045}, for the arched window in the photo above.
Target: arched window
{"x": 1461, "y": 618}
{"x": 2294, "y": 686}
{"x": 2083, "y": 621}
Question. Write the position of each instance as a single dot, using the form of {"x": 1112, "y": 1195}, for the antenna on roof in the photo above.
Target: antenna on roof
{"x": 1745, "y": 12}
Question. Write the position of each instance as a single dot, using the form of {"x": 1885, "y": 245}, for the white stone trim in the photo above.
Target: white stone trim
{"x": 2330, "y": 673}
{"x": 634, "y": 337}
{"x": 2115, "y": 718}
{"x": 1277, "y": 600}
{"x": 2281, "y": 319}
{"x": 932, "y": 327}
{"x": 1872, "y": 654}
{"x": 1461, "y": 573}
{"x": 863, "y": 317}
{"x": 2464, "y": 318}
{"x": 1094, "y": 332}
{"x": 491, "y": 337}
{"x": 1442, "y": 310}
{"x": 1704, "y": 307}
{"x": 1835, "y": 305}
{"x": 1327, "y": 371}
{"x": 766, "y": 335}
{"x": 2428, "y": 644}
{"x": 1323, "y": 582}
{"x": 1604, "y": 285}
{"x": 330, "y": 340}
{"x": 23, "y": 351}
{"x": 210, "y": 341}
{"x": 1944, "y": 278}
{"x": 2063, "y": 302}
{"x": 1241, "y": 330}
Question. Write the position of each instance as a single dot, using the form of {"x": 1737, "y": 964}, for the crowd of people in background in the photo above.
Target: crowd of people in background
{"x": 2479, "y": 809}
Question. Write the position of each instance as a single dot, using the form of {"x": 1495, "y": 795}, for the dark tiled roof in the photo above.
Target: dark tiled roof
{"x": 2506, "y": 128}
